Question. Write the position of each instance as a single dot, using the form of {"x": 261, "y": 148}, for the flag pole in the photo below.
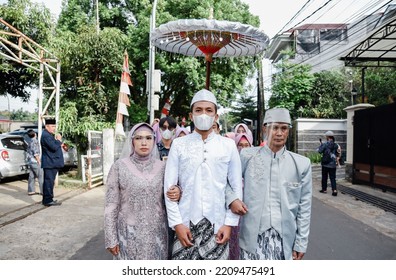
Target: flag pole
{"x": 123, "y": 97}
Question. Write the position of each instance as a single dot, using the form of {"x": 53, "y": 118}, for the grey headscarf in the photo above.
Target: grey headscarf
{"x": 129, "y": 150}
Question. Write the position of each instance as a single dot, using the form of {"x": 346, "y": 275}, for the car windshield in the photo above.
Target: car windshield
{"x": 13, "y": 143}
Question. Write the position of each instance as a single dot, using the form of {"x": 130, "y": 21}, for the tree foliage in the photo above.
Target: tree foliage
{"x": 35, "y": 21}
{"x": 320, "y": 95}
{"x": 379, "y": 87}
{"x": 22, "y": 115}
{"x": 244, "y": 108}
{"x": 292, "y": 88}
{"x": 330, "y": 95}
{"x": 91, "y": 69}
{"x": 92, "y": 63}
{"x": 75, "y": 128}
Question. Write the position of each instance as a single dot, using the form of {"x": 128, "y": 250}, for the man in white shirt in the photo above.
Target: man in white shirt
{"x": 202, "y": 163}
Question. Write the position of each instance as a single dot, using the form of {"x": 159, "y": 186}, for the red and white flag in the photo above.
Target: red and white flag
{"x": 166, "y": 108}
{"x": 123, "y": 98}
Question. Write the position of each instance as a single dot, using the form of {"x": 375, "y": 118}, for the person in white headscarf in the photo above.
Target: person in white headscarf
{"x": 135, "y": 223}
{"x": 278, "y": 192}
{"x": 202, "y": 163}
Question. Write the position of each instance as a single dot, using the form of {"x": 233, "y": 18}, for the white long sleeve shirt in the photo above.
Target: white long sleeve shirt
{"x": 202, "y": 169}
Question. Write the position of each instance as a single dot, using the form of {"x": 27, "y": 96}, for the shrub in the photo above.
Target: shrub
{"x": 315, "y": 157}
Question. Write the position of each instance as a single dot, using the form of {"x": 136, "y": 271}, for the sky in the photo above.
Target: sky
{"x": 274, "y": 15}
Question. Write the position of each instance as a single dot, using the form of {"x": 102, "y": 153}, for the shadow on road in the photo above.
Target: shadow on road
{"x": 93, "y": 250}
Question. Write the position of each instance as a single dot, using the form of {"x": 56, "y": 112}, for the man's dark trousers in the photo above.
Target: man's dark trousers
{"x": 48, "y": 185}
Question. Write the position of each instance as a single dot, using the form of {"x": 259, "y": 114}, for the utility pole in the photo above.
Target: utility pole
{"x": 150, "y": 101}
{"x": 9, "y": 108}
{"x": 97, "y": 17}
{"x": 260, "y": 100}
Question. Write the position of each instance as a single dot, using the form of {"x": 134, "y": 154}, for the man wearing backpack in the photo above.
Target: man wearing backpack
{"x": 330, "y": 152}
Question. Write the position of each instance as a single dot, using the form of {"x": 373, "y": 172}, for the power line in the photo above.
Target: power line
{"x": 317, "y": 10}
{"x": 297, "y": 14}
{"x": 364, "y": 9}
{"x": 342, "y": 50}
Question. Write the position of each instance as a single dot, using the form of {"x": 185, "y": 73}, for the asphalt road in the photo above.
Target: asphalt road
{"x": 342, "y": 228}
{"x": 334, "y": 236}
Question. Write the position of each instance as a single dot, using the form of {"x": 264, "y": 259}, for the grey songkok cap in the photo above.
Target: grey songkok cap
{"x": 279, "y": 115}
{"x": 204, "y": 95}
{"x": 329, "y": 133}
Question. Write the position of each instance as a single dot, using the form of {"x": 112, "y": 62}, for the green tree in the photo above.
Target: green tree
{"x": 380, "y": 85}
{"x": 91, "y": 70}
{"x": 226, "y": 120}
{"x": 330, "y": 95}
{"x": 75, "y": 128}
{"x": 321, "y": 95}
{"x": 112, "y": 13}
{"x": 92, "y": 61}
{"x": 244, "y": 108}
{"x": 292, "y": 88}
{"x": 182, "y": 76}
{"x": 35, "y": 21}
{"x": 22, "y": 115}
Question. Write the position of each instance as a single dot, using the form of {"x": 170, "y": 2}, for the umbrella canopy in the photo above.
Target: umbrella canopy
{"x": 209, "y": 38}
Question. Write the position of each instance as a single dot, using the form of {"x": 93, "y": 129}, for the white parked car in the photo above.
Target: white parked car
{"x": 69, "y": 153}
{"x": 13, "y": 156}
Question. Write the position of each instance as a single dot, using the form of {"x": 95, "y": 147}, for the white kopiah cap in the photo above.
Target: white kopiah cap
{"x": 279, "y": 115}
{"x": 204, "y": 95}
{"x": 329, "y": 133}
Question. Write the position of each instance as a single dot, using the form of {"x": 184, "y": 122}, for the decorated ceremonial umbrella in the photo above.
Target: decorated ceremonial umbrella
{"x": 209, "y": 38}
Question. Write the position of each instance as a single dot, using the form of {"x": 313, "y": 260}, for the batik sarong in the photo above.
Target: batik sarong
{"x": 269, "y": 247}
{"x": 205, "y": 246}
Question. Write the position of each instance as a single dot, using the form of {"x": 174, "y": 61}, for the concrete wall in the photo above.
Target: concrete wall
{"x": 308, "y": 131}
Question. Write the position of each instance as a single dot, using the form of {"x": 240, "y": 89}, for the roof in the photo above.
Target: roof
{"x": 285, "y": 40}
{"x": 379, "y": 46}
{"x": 319, "y": 26}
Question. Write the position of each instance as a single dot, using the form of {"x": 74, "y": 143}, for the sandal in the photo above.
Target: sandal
{"x": 322, "y": 191}
{"x": 334, "y": 193}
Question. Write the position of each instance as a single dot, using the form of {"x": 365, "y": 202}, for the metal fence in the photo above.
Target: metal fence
{"x": 93, "y": 160}
{"x": 119, "y": 142}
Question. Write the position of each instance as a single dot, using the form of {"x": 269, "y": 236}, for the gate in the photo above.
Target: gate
{"x": 374, "y": 153}
{"x": 92, "y": 163}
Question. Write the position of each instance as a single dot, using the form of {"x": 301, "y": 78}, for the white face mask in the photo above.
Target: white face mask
{"x": 203, "y": 122}
{"x": 166, "y": 134}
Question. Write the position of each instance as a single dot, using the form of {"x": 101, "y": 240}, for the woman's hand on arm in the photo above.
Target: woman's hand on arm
{"x": 115, "y": 250}
{"x": 174, "y": 193}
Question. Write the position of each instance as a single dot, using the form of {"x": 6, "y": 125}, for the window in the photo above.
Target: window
{"x": 14, "y": 143}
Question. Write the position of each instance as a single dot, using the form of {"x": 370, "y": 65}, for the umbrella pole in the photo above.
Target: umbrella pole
{"x": 207, "y": 74}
